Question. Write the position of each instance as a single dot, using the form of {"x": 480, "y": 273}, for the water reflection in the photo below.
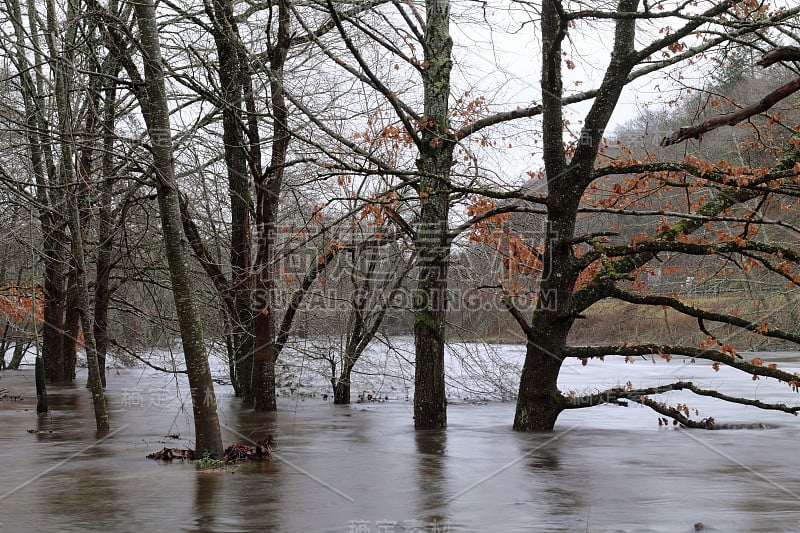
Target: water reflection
{"x": 206, "y": 493}
{"x": 431, "y": 476}
{"x": 544, "y": 457}
{"x": 557, "y": 484}
{"x": 252, "y": 496}
{"x": 66, "y": 416}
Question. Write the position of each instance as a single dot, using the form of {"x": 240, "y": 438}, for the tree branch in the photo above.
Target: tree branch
{"x": 685, "y": 309}
{"x": 787, "y": 53}
{"x": 617, "y": 395}
{"x": 523, "y": 323}
{"x": 635, "y": 350}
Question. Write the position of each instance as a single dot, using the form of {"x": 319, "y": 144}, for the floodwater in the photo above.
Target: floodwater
{"x": 362, "y": 468}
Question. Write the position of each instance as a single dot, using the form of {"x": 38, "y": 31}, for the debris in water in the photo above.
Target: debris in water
{"x": 240, "y": 452}
{"x": 4, "y": 395}
{"x": 168, "y": 454}
{"x": 234, "y": 453}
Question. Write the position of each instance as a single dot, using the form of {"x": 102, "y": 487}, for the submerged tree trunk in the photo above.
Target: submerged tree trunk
{"x": 77, "y": 312}
{"x": 540, "y": 402}
{"x": 233, "y": 76}
{"x": 153, "y": 99}
{"x": 102, "y": 292}
{"x": 41, "y": 386}
{"x": 105, "y": 226}
{"x": 341, "y": 389}
{"x": 342, "y": 385}
{"x": 432, "y": 240}
{"x": 95, "y": 383}
{"x": 53, "y": 292}
{"x": 48, "y": 196}
{"x": 268, "y": 187}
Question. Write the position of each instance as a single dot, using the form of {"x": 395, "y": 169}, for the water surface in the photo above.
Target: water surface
{"x": 363, "y": 468}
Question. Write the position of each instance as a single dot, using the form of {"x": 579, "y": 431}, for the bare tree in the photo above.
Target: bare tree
{"x": 150, "y": 90}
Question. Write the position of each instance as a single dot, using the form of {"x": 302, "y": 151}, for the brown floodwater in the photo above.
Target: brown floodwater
{"x": 362, "y": 468}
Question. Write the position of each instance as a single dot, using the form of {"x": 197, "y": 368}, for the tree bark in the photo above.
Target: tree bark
{"x": 16, "y": 358}
{"x": 53, "y": 326}
{"x": 432, "y": 238}
{"x": 61, "y": 55}
{"x": 106, "y": 117}
{"x": 72, "y": 322}
{"x": 41, "y": 386}
{"x": 50, "y": 361}
{"x": 539, "y": 401}
{"x": 341, "y": 390}
{"x": 77, "y": 312}
{"x": 268, "y": 187}
{"x": 153, "y": 100}
{"x": 233, "y": 75}
{"x": 95, "y": 383}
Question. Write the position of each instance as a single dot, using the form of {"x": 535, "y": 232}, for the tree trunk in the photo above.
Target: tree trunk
{"x": 341, "y": 392}
{"x": 60, "y": 60}
{"x": 539, "y": 402}
{"x": 72, "y": 325}
{"x": 102, "y": 297}
{"x": 105, "y": 225}
{"x": 232, "y": 63}
{"x": 153, "y": 100}
{"x": 342, "y": 386}
{"x": 52, "y": 328}
{"x": 264, "y": 364}
{"x": 432, "y": 240}
{"x": 77, "y": 312}
{"x": 19, "y": 353}
{"x": 95, "y": 383}
{"x": 49, "y": 198}
{"x": 268, "y": 187}
{"x": 41, "y": 386}
{"x": 5, "y": 344}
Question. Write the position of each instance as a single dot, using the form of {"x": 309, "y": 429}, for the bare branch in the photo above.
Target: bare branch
{"x": 787, "y": 53}
{"x": 753, "y": 368}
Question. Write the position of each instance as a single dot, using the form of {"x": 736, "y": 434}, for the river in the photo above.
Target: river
{"x": 362, "y": 467}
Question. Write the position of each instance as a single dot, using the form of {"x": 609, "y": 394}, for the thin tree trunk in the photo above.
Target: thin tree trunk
{"x": 19, "y": 353}
{"x": 232, "y": 62}
{"x": 268, "y": 188}
{"x": 153, "y": 100}
{"x": 41, "y": 163}
{"x": 72, "y": 325}
{"x": 41, "y": 387}
{"x": 95, "y": 383}
{"x": 4, "y": 344}
{"x": 78, "y": 291}
{"x": 105, "y": 227}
